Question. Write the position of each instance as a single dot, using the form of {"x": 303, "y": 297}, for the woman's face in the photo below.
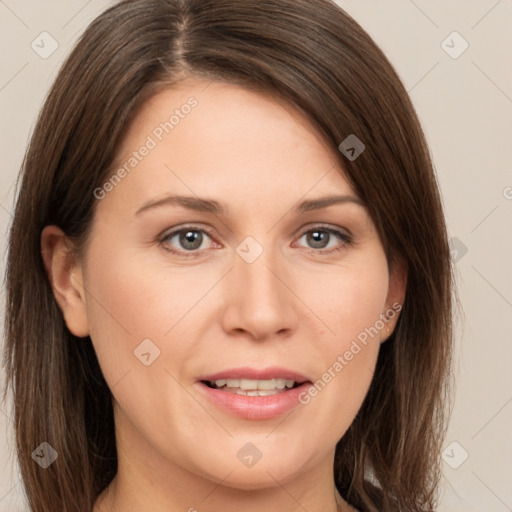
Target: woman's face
{"x": 214, "y": 273}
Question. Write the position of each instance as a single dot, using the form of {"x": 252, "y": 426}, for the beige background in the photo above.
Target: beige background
{"x": 465, "y": 105}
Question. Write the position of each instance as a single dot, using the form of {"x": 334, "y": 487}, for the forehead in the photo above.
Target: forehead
{"x": 218, "y": 139}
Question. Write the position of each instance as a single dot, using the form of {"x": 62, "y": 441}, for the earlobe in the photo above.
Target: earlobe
{"x": 66, "y": 279}
{"x": 395, "y": 298}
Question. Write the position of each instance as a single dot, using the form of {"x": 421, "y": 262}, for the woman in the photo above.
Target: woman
{"x": 228, "y": 280}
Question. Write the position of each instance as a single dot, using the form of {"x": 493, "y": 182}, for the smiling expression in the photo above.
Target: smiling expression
{"x": 233, "y": 259}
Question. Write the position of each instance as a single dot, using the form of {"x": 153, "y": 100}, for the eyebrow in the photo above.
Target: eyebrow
{"x": 213, "y": 206}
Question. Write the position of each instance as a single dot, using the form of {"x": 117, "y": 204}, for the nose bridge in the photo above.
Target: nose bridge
{"x": 259, "y": 301}
{"x": 257, "y": 266}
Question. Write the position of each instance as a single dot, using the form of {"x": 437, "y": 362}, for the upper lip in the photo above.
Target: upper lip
{"x": 256, "y": 374}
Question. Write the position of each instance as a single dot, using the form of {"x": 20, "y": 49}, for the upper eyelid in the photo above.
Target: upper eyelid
{"x": 166, "y": 234}
{"x": 209, "y": 230}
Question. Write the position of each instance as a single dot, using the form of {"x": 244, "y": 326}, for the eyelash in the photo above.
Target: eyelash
{"x": 346, "y": 240}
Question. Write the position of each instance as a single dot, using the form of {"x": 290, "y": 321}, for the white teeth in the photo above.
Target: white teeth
{"x": 253, "y": 392}
{"x": 265, "y": 385}
{"x": 268, "y": 393}
{"x": 249, "y": 384}
{"x": 253, "y": 386}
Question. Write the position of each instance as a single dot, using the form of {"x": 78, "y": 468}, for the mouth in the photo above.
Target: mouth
{"x": 253, "y": 387}
{"x": 254, "y": 394}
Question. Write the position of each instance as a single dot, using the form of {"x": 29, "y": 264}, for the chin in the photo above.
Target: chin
{"x": 252, "y": 480}
{"x": 261, "y": 475}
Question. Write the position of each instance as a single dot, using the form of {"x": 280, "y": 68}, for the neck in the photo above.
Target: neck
{"x": 146, "y": 480}
{"x": 114, "y": 499}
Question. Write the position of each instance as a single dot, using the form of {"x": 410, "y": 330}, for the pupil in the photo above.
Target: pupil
{"x": 191, "y": 239}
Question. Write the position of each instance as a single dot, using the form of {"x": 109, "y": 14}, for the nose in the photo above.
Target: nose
{"x": 259, "y": 300}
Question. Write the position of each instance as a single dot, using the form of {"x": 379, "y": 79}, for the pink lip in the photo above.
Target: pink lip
{"x": 255, "y": 407}
{"x": 274, "y": 372}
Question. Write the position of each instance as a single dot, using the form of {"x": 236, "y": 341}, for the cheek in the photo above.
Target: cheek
{"x": 126, "y": 305}
{"x": 350, "y": 300}
{"x": 350, "y": 303}
{"x": 134, "y": 296}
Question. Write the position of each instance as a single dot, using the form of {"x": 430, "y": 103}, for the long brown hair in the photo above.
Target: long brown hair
{"x": 315, "y": 56}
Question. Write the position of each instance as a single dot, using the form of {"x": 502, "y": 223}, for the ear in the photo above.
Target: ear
{"x": 66, "y": 279}
{"x": 395, "y": 298}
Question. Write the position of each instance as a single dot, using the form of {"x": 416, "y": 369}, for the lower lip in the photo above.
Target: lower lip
{"x": 255, "y": 407}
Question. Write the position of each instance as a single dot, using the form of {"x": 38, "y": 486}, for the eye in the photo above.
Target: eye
{"x": 185, "y": 240}
{"x": 191, "y": 241}
{"x": 320, "y": 237}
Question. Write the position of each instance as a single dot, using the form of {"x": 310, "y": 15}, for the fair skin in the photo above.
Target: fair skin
{"x": 298, "y": 305}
